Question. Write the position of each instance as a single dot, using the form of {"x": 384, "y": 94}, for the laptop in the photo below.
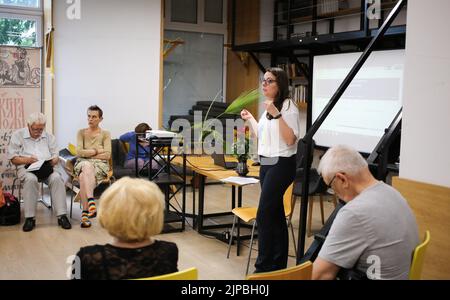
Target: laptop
{"x": 219, "y": 160}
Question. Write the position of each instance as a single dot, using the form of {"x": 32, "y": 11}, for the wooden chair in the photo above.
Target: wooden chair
{"x": 109, "y": 179}
{"x": 248, "y": 214}
{"x": 188, "y": 274}
{"x": 299, "y": 272}
{"x": 418, "y": 257}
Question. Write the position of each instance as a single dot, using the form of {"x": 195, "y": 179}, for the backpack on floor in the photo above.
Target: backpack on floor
{"x": 10, "y": 211}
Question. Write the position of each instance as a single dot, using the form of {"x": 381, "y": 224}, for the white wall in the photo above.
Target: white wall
{"x": 109, "y": 57}
{"x": 425, "y": 145}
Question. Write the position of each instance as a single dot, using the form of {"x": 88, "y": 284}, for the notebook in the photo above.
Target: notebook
{"x": 219, "y": 160}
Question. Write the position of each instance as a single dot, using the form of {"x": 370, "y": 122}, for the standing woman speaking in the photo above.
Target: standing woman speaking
{"x": 278, "y": 132}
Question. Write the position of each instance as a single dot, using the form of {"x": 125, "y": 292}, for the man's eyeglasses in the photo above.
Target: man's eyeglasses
{"x": 331, "y": 182}
{"x": 37, "y": 129}
{"x": 267, "y": 81}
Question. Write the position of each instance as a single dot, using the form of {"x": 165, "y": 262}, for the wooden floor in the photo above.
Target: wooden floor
{"x": 43, "y": 253}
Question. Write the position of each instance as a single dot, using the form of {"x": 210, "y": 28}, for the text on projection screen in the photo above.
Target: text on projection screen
{"x": 369, "y": 104}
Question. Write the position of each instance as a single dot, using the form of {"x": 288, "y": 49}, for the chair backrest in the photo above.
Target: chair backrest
{"x": 299, "y": 272}
{"x": 111, "y": 168}
{"x": 188, "y": 274}
{"x": 289, "y": 201}
{"x": 415, "y": 271}
{"x": 118, "y": 153}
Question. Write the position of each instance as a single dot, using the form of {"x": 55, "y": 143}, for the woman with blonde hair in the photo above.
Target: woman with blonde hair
{"x": 132, "y": 211}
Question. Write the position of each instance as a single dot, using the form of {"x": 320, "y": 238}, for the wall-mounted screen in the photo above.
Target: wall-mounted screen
{"x": 368, "y": 105}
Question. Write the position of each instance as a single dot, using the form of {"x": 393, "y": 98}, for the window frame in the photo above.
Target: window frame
{"x": 27, "y": 8}
{"x": 201, "y": 26}
{"x": 37, "y": 19}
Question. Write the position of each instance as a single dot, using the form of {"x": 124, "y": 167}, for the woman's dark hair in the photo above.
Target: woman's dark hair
{"x": 142, "y": 128}
{"x": 283, "y": 88}
{"x": 96, "y": 108}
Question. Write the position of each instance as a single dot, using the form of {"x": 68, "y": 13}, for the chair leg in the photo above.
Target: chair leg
{"x": 71, "y": 200}
{"x": 322, "y": 215}
{"x": 293, "y": 235}
{"x": 231, "y": 236}
{"x": 335, "y": 200}
{"x": 49, "y": 206}
{"x": 13, "y": 186}
{"x": 251, "y": 247}
{"x": 310, "y": 207}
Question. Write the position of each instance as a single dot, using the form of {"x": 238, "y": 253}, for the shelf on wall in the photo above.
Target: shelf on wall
{"x": 298, "y": 78}
{"x": 339, "y": 13}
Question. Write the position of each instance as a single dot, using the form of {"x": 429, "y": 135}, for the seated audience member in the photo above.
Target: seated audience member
{"x": 92, "y": 166}
{"x": 143, "y": 148}
{"x": 375, "y": 233}
{"x": 132, "y": 211}
{"x": 27, "y": 146}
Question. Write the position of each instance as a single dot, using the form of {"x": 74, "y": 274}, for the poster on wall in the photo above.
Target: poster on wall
{"x": 20, "y": 95}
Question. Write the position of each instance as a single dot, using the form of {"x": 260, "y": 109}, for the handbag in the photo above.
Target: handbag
{"x": 10, "y": 212}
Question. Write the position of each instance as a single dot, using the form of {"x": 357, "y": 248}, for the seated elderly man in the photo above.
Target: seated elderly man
{"x": 27, "y": 146}
{"x": 375, "y": 232}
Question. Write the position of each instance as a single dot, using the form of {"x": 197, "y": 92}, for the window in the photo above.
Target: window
{"x": 184, "y": 11}
{"x": 214, "y": 11}
{"x": 17, "y": 31}
{"x": 22, "y": 3}
{"x": 196, "y": 15}
{"x": 21, "y": 23}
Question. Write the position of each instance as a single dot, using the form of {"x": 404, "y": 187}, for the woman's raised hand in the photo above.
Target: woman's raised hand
{"x": 246, "y": 115}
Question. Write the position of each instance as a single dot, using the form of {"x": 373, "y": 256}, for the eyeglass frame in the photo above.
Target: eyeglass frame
{"x": 37, "y": 129}
{"x": 267, "y": 81}
{"x": 329, "y": 185}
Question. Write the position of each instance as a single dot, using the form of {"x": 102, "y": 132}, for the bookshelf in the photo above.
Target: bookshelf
{"x": 298, "y": 84}
{"x": 291, "y": 17}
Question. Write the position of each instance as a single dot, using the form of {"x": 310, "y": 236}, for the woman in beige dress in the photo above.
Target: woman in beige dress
{"x": 92, "y": 166}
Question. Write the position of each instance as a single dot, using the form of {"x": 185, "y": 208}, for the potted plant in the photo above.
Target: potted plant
{"x": 241, "y": 149}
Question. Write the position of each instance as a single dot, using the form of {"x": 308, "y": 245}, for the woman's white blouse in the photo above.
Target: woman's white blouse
{"x": 270, "y": 141}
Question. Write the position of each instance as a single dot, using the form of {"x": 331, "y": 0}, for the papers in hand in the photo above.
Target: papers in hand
{"x": 36, "y": 166}
{"x": 240, "y": 180}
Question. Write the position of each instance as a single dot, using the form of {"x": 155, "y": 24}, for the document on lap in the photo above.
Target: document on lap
{"x": 42, "y": 169}
{"x": 37, "y": 165}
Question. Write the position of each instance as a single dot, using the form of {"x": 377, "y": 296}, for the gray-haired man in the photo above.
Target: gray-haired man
{"x": 375, "y": 232}
{"x": 27, "y": 146}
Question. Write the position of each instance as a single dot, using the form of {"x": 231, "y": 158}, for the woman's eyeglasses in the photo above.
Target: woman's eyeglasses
{"x": 267, "y": 81}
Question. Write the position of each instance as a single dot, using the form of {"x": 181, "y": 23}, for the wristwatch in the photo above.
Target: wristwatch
{"x": 277, "y": 116}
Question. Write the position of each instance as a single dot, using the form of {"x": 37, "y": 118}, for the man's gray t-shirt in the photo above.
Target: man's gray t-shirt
{"x": 377, "y": 226}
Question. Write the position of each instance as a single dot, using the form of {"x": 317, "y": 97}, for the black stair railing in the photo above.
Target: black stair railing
{"x": 307, "y": 139}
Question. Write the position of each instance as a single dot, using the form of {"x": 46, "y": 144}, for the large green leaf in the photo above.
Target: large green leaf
{"x": 241, "y": 102}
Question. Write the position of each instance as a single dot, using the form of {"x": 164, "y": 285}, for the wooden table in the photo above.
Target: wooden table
{"x": 204, "y": 167}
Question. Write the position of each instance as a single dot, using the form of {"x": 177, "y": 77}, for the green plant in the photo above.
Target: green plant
{"x": 241, "y": 102}
{"x": 241, "y": 144}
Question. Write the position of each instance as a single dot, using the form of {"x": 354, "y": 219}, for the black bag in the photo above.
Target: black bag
{"x": 10, "y": 212}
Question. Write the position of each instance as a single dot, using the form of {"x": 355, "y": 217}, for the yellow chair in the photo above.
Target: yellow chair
{"x": 188, "y": 274}
{"x": 248, "y": 214}
{"x": 299, "y": 272}
{"x": 415, "y": 271}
